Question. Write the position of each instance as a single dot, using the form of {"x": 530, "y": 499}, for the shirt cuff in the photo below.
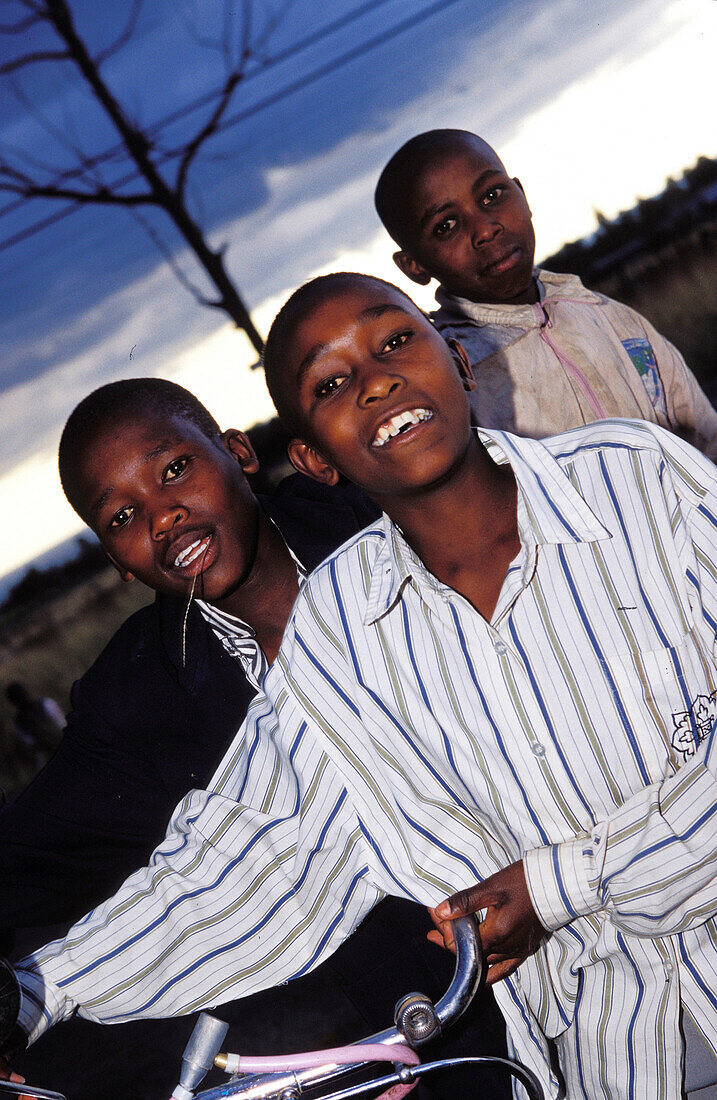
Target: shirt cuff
{"x": 41, "y": 1005}
{"x": 559, "y": 883}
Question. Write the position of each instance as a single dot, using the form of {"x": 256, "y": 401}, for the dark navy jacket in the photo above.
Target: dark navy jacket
{"x": 144, "y": 729}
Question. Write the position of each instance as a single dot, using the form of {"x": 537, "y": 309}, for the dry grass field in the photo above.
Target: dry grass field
{"x": 49, "y": 649}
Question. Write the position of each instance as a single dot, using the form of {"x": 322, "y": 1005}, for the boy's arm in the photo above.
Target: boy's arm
{"x": 649, "y": 867}
{"x": 690, "y": 412}
{"x": 236, "y": 899}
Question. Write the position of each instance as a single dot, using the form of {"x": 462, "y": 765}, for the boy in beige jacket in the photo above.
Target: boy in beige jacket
{"x": 547, "y": 353}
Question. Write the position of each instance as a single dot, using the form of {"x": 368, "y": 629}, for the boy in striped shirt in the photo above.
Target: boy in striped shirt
{"x": 503, "y": 691}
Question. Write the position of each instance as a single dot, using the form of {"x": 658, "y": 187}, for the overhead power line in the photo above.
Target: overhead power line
{"x": 241, "y": 116}
{"x": 155, "y": 128}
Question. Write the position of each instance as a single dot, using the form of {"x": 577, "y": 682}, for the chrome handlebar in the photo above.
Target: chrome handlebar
{"x": 417, "y": 1021}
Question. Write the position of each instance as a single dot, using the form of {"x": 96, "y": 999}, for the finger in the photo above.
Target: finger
{"x": 502, "y": 970}
{"x": 460, "y": 904}
{"x": 6, "y": 1073}
{"x": 445, "y": 928}
{"x": 437, "y": 938}
{"x": 440, "y": 941}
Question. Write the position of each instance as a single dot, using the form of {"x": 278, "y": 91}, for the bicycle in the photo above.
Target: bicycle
{"x": 289, "y": 1077}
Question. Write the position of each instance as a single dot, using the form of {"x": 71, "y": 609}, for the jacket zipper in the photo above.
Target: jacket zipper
{"x": 572, "y": 368}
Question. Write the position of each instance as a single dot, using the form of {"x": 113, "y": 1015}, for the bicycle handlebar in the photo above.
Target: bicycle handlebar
{"x": 467, "y": 977}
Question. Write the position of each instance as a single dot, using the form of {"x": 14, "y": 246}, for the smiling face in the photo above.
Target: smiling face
{"x": 468, "y": 224}
{"x": 378, "y": 394}
{"x": 169, "y": 505}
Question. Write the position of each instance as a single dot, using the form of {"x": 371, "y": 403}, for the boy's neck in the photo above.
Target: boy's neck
{"x": 466, "y": 532}
{"x": 266, "y": 595}
{"x": 527, "y": 297}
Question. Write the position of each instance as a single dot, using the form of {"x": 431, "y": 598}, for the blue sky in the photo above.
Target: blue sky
{"x": 591, "y": 102}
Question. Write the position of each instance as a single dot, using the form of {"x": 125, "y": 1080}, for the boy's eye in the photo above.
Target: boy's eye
{"x": 175, "y": 469}
{"x": 398, "y": 340}
{"x": 121, "y": 518}
{"x": 444, "y": 227}
{"x": 492, "y": 194}
{"x": 330, "y": 385}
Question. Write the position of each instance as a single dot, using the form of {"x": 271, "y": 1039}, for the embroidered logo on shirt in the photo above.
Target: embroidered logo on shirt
{"x": 643, "y": 359}
{"x": 693, "y": 725}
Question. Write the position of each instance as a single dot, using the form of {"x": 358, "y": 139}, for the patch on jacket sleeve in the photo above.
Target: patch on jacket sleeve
{"x": 643, "y": 359}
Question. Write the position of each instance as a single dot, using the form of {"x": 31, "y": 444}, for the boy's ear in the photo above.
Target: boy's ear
{"x": 239, "y": 445}
{"x": 460, "y": 357}
{"x": 124, "y": 573}
{"x": 411, "y": 268}
{"x": 307, "y": 460}
{"x": 520, "y": 185}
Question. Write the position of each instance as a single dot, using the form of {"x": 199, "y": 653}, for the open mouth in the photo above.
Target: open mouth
{"x": 191, "y": 553}
{"x": 400, "y": 423}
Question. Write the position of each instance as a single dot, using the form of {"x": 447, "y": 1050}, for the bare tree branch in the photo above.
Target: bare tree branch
{"x": 17, "y": 63}
{"x": 138, "y": 143}
{"x": 271, "y": 25}
{"x": 15, "y": 182}
{"x": 123, "y": 38}
{"x": 209, "y": 128}
{"x": 24, "y": 24}
{"x": 247, "y": 22}
{"x": 179, "y": 274}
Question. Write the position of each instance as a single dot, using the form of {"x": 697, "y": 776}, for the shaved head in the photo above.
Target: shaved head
{"x": 116, "y": 403}
{"x": 405, "y": 168}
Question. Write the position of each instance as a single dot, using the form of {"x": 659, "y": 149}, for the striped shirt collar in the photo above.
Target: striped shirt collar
{"x": 550, "y": 511}
{"x": 239, "y": 638}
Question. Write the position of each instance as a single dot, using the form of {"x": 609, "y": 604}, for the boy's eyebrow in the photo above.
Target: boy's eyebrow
{"x": 369, "y": 312}
{"x": 439, "y": 207}
{"x": 101, "y": 501}
{"x": 165, "y": 445}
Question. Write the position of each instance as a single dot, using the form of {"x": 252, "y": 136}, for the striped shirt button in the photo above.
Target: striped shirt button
{"x": 500, "y": 647}
{"x": 537, "y": 749}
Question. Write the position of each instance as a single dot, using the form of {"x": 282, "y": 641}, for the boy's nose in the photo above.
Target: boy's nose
{"x": 167, "y": 517}
{"x": 377, "y": 385}
{"x": 483, "y": 229}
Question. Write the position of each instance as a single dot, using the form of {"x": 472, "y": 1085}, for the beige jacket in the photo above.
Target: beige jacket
{"x": 575, "y": 357}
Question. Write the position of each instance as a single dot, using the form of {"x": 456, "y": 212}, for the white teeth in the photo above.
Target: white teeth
{"x": 190, "y": 553}
{"x": 393, "y": 426}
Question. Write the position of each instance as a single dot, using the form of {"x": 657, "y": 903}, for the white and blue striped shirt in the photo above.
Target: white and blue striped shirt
{"x": 407, "y": 746}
